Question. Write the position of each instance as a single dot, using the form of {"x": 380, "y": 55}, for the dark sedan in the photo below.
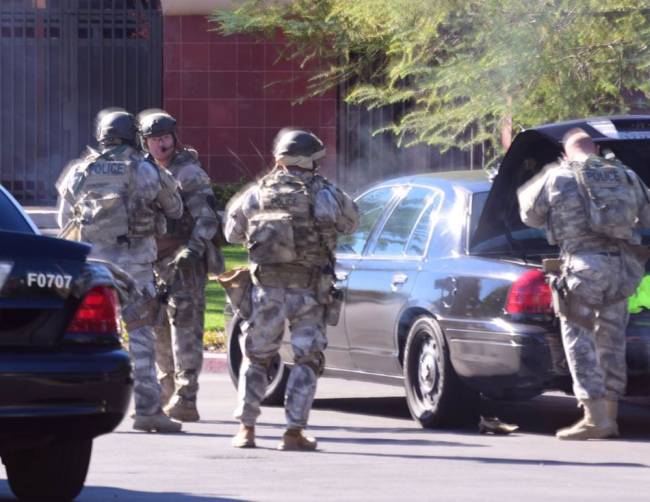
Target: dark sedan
{"x": 64, "y": 377}
{"x": 444, "y": 292}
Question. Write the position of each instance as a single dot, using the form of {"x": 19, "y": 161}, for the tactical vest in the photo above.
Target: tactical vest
{"x": 181, "y": 229}
{"x": 607, "y": 192}
{"x": 285, "y": 230}
{"x": 107, "y": 206}
{"x": 567, "y": 217}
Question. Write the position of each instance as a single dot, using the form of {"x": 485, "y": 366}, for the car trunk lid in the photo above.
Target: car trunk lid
{"x": 500, "y": 228}
{"x": 37, "y": 274}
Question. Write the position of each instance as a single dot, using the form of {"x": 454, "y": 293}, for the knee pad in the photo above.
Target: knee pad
{"x": 315, "y": 360}
{"x": 263, "y": 361}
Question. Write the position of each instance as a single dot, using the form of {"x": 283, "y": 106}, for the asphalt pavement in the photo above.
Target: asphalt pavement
{"x": 370, "y": 449}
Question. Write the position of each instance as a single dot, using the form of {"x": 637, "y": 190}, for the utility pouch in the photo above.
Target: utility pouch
{"x": 103, "y": 219}
{"x": 333, "y": 308}
{"x": 238, "y": 286}
{"x": 270, "y": 237}
{"x": 142, "y": 312}
{"x": 284, "y": 276}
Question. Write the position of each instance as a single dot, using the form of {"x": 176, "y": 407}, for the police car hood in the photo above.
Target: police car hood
{"x": 627, "y": 136}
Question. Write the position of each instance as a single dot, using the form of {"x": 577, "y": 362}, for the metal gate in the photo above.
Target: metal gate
{"x": 61, "y": 61}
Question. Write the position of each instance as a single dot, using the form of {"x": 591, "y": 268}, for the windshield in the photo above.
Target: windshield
{"x": 11, "y": 219}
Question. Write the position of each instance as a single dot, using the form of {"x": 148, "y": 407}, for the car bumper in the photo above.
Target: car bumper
{"x": 512, "y": 360}
{"x": 507, "y": 360}
{"x": 70, "y": 392}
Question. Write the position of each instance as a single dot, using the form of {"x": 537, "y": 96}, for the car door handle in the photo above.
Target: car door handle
{"x": 399, "y": 279}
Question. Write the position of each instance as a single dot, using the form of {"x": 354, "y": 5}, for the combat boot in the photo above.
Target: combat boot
{"x": 156, "y": 423}
{"x": 293, "y": 439}
{"x": 596, "y": 423}
{"x": 182, "y": 410}
{"x": 612, "y": 414}
{"x": 245, "y": 437}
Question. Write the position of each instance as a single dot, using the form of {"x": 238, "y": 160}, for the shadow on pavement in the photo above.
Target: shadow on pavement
{"x": 312, "y": 427}
{"x": 103, "y": 493}
{"x": 548, "y": 413}
{"x": 380, "y": 441}
{"x": 542, "y": 415}
{"x": 390, "y": 407}
{"x": 492, "y": 460}
{"x": 178, "y": 434}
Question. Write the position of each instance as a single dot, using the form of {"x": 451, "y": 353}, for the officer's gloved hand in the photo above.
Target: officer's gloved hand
{"x": 185, "y": 256}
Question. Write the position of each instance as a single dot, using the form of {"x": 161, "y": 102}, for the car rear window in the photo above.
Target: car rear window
{"x": 11, "y": 219}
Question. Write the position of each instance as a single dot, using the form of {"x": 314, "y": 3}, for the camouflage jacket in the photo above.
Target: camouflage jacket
{"x": 155, "y": 192}
{"x": 200, "y": 220}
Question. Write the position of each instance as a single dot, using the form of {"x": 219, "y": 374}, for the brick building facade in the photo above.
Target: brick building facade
{"x": 233, "y": 94}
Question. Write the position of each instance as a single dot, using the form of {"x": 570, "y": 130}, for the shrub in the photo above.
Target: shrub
{"x": 223, "y": 192}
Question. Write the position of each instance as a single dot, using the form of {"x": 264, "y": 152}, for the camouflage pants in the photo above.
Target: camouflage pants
{"x": 179, "y": 337}
{"x": 261, "y": 341}
{"x": 142, "y": 342}
{"x": 596, "y": 357}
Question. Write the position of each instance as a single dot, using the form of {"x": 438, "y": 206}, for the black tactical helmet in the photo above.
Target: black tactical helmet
{"x": 293, "y": 147}
{"x": 113, "y": 124}
{"x": 155, "y": 122}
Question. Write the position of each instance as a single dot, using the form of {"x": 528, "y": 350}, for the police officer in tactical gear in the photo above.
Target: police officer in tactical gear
{"x": 110, "y": 198}
{"x": 186, "y": 253}
{"x": 289, "y": 221}
{"x": 592, "y": 208}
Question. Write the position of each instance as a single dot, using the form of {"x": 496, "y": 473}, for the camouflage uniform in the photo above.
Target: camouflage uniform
{"x": 128, "y": 241}
{"x": 296, "y": 290}
{"x": 598, "y": 270}
{"x": 179, "y": 343}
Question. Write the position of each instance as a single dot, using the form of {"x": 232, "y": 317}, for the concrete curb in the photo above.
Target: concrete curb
{"x": 214, "y": 362}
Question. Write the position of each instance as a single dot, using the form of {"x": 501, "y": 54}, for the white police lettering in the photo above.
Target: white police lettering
{"x": 603, "y": 176}
{"x": 108, "y": 168}
{"x": 47, "y": 280}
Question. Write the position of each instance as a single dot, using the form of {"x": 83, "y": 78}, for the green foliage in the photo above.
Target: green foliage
{"x": 476, "y": 65}
{"x": 223, "y": 192}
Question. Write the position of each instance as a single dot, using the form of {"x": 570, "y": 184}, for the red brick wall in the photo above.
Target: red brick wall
{"x": 219, "y": 89}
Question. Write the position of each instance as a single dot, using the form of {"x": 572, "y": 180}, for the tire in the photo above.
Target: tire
{"x": 435, "y": 395}
{"x": 56, "y": 471}
{"x": 278, "y": 372}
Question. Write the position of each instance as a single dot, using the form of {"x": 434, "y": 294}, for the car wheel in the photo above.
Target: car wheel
{"x": 435, "y": 395}
{"x": 53, "y": 472}
{"x": 278, "y": 373}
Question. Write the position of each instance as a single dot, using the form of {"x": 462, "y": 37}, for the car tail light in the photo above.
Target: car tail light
{"x": 530, "y": 294}
{"x": 98, "y": 313}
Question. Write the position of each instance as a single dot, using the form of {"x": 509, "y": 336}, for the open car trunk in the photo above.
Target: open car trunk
{"x": 500, "y": 229}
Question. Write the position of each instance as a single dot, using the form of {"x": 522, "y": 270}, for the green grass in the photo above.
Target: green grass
{"x": 215, "y": 298}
